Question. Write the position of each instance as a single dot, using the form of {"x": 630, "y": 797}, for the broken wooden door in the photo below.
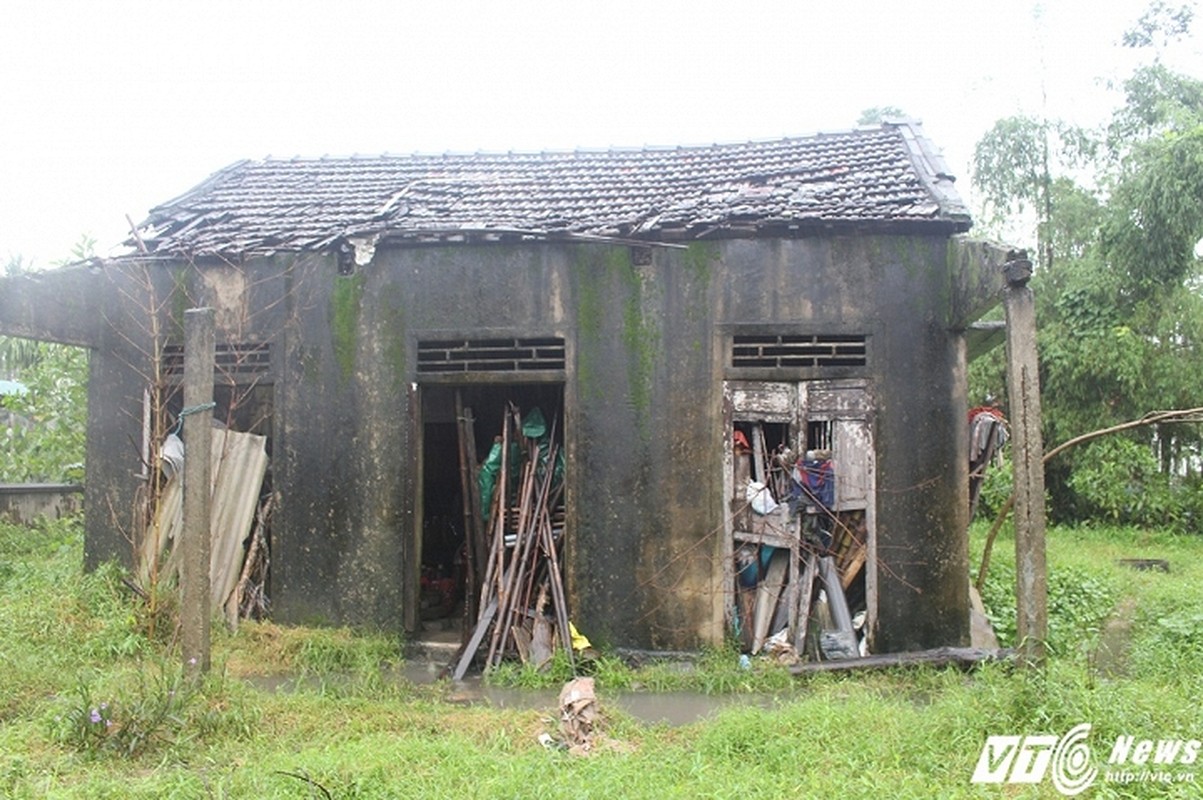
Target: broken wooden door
{"x": 769, "y": 428}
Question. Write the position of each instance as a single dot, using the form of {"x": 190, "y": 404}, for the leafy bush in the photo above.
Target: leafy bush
{"x": 1119, "y": 480}
{"x": 43, "y": 439}
{"x": 997, "y": 486}
{"x": 1078, "y": 603}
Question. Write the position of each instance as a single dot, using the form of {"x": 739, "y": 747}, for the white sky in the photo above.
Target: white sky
{"x": 113, "y": 106}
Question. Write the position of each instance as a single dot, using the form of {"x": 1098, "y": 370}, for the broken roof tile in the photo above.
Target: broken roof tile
{"x": 885, "y": 175}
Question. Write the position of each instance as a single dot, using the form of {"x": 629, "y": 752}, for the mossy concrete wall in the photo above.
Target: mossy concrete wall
{"x": 646, "y": 333}
{"x": 646, "y": 338}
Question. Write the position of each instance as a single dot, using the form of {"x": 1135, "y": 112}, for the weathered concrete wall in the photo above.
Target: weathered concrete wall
{"x": 643, "y": 391}
{"x": 645, "y": 333}
{"x": 25, "y": 503}
{"x": 648, "y": 505}
{"x": 976, "y": 275}
{"x": 895, "y": 290}
{"x": 56, "y": 306}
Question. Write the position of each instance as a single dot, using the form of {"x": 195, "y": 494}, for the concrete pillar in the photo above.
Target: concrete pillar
{"x": 195, "y": 611}
{"x": 1027, "y": 450}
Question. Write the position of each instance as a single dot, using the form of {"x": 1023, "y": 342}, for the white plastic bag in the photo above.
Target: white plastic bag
{"x": 761, "y": 498}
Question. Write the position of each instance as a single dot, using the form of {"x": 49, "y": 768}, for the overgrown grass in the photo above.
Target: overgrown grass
{"x": 346, "y": 723}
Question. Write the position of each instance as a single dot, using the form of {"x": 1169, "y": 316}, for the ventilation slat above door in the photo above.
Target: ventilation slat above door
{"x": 491, "y": 355}
{"x": 798, "y": 350}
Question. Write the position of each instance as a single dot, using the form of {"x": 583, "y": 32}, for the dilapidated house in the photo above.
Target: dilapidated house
{"x": 667, "y": 309}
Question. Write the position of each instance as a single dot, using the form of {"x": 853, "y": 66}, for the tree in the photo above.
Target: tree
{"x": 1120, "y": 210}
{"x": 15, "y": 353}
{"x": 1015, "y": 165}
{"x": 42, "y": 431}
{"x": 43, "y": 437}
{"x": 1160, "y": 24}
{"x": 879, "y": 114}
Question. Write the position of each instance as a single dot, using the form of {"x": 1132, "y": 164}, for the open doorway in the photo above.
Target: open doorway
{"x": 465, "y": 419}
{"x": 799, "y": 477}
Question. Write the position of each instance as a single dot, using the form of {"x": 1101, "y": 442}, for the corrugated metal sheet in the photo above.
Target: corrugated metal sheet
{"x": 239, "y": 463}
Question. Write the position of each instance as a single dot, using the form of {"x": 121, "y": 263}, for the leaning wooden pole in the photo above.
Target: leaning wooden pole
{"x": 1027, "y": 450}
{"x": 467, "y": 476}
{"x": 195, "y": 611}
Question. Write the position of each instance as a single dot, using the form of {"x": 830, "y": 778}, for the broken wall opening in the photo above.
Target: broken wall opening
{"x": 800, "y": 560}
{"x": 453, "y": 557}
{"x": 244, "y": 411}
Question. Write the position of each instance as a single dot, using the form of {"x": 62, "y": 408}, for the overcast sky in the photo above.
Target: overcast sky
{"x": 113, "y": 107}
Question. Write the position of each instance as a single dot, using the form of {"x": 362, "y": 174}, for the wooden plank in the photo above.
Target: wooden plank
{"x": 467, "y": 477}
{"x": 766, "y": 400}
{"x": 853, "y": 565}
{"x": 964, "y": 658}
{"x": 758, "y": 455}
{"x": 841, "y": 398}
{"x": 853, "y": 456}
{"x": 805, "y": 593}
{"x": 767, "y": 595}
{"x": 766, "y": 537}
{"x": 468, "y": 651}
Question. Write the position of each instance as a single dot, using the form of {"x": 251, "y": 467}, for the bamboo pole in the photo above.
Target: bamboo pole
{"x": 517, "y": 566}
{"x": 557, "y": 585}
{"x": 467, "y": 468}
{"x": 505, "y": 576}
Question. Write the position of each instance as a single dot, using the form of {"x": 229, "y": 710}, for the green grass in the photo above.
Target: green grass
{"x": 71, "y": 642}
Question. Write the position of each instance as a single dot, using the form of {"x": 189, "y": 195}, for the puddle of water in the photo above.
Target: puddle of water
{"x": 684, "y": 708}
{"x": 652, "y": 708}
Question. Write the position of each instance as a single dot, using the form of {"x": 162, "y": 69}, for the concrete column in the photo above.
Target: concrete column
{"x": 195, "y": 611}
{"x": 1027, "y": 450}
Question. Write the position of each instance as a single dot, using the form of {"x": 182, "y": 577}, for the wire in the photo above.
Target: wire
{"x": 189, "y": 410}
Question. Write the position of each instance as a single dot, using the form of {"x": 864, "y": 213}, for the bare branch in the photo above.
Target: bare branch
{"x": 1151, "y": 418}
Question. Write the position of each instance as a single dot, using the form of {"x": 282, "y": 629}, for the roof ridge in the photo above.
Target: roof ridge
{"x": 933, "y": 170}
{"x": 600, "y": 150}
{"x": 207, "y": 184}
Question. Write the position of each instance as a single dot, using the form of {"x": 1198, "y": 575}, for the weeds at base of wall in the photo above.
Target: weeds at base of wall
{"x": 715, "y": 671}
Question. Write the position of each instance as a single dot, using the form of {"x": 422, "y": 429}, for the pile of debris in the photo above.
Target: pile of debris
{"x": 521, "y": 608}
{"x": 796, "y": 556}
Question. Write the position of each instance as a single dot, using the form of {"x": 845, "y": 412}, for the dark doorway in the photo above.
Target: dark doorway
{"x": 449, "y": 578}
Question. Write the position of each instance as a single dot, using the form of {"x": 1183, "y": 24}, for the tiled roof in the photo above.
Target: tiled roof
{"x": 868, "y": 177}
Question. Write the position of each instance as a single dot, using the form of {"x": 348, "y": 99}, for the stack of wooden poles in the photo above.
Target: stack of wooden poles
{"x": 523, "y": 568}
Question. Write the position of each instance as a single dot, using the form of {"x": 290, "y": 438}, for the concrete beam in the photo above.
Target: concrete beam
{"x": 195, "y": 602}
{"x": 62, "y": 305}
{"x": 978, "y": 283}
